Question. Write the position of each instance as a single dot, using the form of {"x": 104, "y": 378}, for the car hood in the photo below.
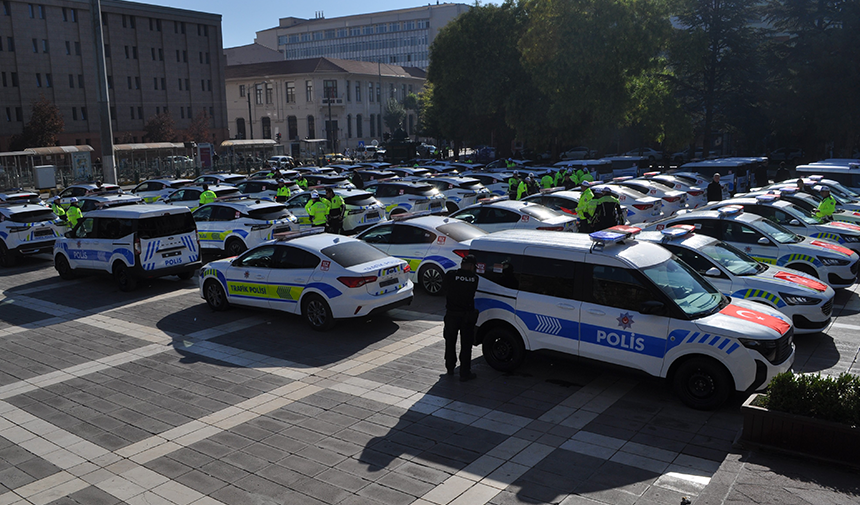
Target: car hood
{"x": 816, "y": 246}
{"x": 745, "y": 319}
{"x": 787, "y": 280}
{"x": 840, "y": 227}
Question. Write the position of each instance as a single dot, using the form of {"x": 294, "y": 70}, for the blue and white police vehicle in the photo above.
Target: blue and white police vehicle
{"x": 501, "y": 213}
{"x": 639, "y": 208}
{"x": 132, "y": 242}
{"x": 361, "y": 209}
{"x": 773, "y": 244}
{"x": 189, "y": 196}
{"x": 673, "y": 200}
{"x": 210, "y": 179}
{"x": 608, "y": 297}
{"x": 399, "y": 196}
{"x": 460, "y": 191}
{"x": 19, "y": 196}
{"x": 83, "y": 189}
{"x": 696, "y": 196}
{"x": 234, "y": 225}
{"x": 432, "y": 245}
{"x": 154, "y": 189}
{"x": 497, "y": 183}
{"x": 26, "y": 229}
{"x": 807, "y": 301}
{"x": 323, "y": 277}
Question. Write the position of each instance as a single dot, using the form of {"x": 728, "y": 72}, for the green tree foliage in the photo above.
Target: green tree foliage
{"x": 198, "y": 130}
{"x": 655, "y": 112}
{"x": 160, "y": 128}
{"x": 45, "y": 124}
{"x": 394, "y": 114}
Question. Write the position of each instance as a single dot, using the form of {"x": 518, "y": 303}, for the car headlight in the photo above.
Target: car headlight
{"x": 833, "y": 262}
{"x": 767, "y": 348}
{"x": 799, "y": 299}
{"x": 850, "y": 238}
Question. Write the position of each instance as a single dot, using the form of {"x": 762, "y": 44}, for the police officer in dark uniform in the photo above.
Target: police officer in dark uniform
{"x": 460, "y": 316}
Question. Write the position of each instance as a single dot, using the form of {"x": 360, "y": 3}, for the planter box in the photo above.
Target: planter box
{"x": 799, "y": 434}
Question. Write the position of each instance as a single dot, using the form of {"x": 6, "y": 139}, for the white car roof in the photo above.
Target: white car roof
{"x": 21, "y": 208}
{"x": 744, "y": 217}
{"x": 113, "y": 197}
{"x": 246, "y": 203}
{"x": 139, "y": 211}
{"x": 691, "y": 240}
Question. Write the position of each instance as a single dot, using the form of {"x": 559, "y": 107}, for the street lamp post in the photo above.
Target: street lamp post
{"x": 250, "y": 115}
{"x": 329, "y": 128}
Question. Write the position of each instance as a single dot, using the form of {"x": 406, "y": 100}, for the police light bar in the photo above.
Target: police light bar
{"x": 602, "y": 237}
{"x": 816, "y": 177}
{"x": 788, "y": 191}
{"x": 650, "y": 174}
{"x": 628, "y": 230}
{"x": 622, "y": 179}
{"x": 679, "y": 230}
{"x": 410, "y": 215}
{"x": 493, "y": 199}
{"x": 290, "y": 235}
{"x": 767, "y": 198}
{"x": 731, "y": 210}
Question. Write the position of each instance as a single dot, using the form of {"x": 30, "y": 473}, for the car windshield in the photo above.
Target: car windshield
{"x": 166, "y": 225}
{"x": 778, "y": 232}
{"x": 270, "y": 213}
{"x": 540, "y": 212}
{"x": 349, "y": 254}
{"x": 805, "y": 215}
{"x": 460, "y": 231}
{"x": 692, "y": 293}
{"x": 33, "y": 216}
{"x": 735, "y": 261}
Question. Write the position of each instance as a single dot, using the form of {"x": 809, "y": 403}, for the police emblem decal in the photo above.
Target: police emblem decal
{"x": 625, "y": 321}
{"x": 748, "y": 249}
{"x": 247, "y": 274}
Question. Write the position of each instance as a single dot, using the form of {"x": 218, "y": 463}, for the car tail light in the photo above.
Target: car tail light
{"x": 551, "y": 228}
{"x": 461, "y": 252}
{"x": 671, "y": 199}
{"x": 357, "y": 282}
{"x": 643, "y": 206}
{"x": 695, "y": 193}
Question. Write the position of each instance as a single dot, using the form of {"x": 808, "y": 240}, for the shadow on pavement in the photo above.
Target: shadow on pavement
{"x": 815, "y": 352}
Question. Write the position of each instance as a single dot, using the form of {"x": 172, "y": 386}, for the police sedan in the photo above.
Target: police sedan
{"x": 154, "y": 189}
{"x": 640, "y": 208}
{"x": 79, "y": 190}
{"x": 673, "y": 200}
{"x": 189, "y": 196}
{"x": 460, "y": 191}
{"x": 321, "y": 276}
{"x": 234, "y": 225}
{"x": 696, "y": 195}
{"x": 806, "y": 300}
{"x": 103, "y": 201}
{"x": 771, "y": 243}
{"x": 399, "y": 196}
{"x": 211, "y": 179}
{"x": 361, "y": 209}
{"x": 500, "y": 213}
{"x": 432, "y": 245}
{"x": 808, "y": 203}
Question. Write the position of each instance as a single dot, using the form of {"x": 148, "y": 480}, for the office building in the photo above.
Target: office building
{"x": 158, "y": 59}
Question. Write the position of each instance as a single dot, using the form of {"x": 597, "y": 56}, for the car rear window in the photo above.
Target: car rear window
{"x": 360, "y": 200}
{"x": 269, "y": 213}
{"x": 472, "y": 185}
{"x": 234, "y": 179}
{"x": 22, "y": 199}
{"x": 227, "y": 192}
{"x": 460, "y": 231}
{"x": 422, "y": 190}
{"x": 540, "y": 212}
{"x": 351, "y": 253}
{"x": 33, "y": 216}
{"x": 166, "y": 225}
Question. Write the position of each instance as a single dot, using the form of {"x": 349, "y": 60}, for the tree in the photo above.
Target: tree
{"x": 198, "y": 131}
{"x": 394, "y": 115}
{"x": 160, "y": 128}
{"x": 45, "y": 124}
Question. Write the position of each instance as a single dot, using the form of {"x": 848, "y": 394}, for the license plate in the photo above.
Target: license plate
{"x": 42, "y": 233}
{"x": 389, "y": 282}
{"x": 375, "y": 215}
{"x": 171, "y": 254}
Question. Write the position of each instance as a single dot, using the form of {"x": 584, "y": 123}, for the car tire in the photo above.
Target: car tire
{"x": 234, "y": 247}
{"x": 215, "y": 296}
{"x": 807, "y": 269}
{"x": 503, "y": 349}
{"x": 317, "y": 313}
{"x": 124, "y": 277}
{"x": 8, "y": 258}
{"x": 702, "y": 383}
{"x": 430, "y": 277}
{"x": 185, "y": 275}
{"x": 61, "y": 264}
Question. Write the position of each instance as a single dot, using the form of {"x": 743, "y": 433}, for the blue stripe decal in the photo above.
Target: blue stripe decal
{"x": 328, "y": 290}
{"x": 445, "y": 262}
{"x": 723, "y": 344}
{"x": 714, "y": 340}
{"x": 732, "y": 348}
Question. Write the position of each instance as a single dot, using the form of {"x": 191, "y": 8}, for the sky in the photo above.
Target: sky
{"x": 241, "y": 20}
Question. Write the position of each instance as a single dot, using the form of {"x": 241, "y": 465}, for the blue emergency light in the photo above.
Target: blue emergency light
{"x": 788, "y": 191}
{"x": 606, "y": 236}
{"x": 731, "y": 210}
{"x": 651, "y": 174}
{"x": 622, "y": 179}
{"x": 816, "y": 177}
{"x": 289, "y": 235}
{"x": 679, "y": 230}
{"x": 767, "y": 198}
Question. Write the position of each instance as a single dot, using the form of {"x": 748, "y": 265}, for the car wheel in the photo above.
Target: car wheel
{"x": 503, "y": 349}
{"x": 123, "y": 277}
{"x": 803, "y": 267}
{"x": 702, "y": 383}
{"x": 215, "y": 295}
{"x": 431, "y": 278}
{"x": 61, "y": 264}
{"x": 317, "y": 313}
{"x": 235, "y": 247}
{"x": 185, "y": 275}
{"x": 7, "y": 258}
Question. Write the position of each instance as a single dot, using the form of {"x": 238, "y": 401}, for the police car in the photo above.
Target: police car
{"x": 219, "y": 179}
{"x": 611, "y": 298}
{"x": 333, "y": 180}
{"x": 361, "y": 209}
{"x": 131, "y": 242}
{"x": 19, "y": 196}
{"x": 411, "y": 171}
{"x": 26, "y": 229}
{"x": 154, "y": 189}
{"x": 103, "y": 201}
{"x": 496, "y": 183}
{"x": 640, "y": 208}
{"x": 400, "y": 196}
{"x": 700, "y": 181}
{"x": 771, "y": 243}
{"x": 500, "y": 213}
{"x": 79, "y": 190}
{"x": 808, "y": 203}
{"x": 807, "y": 301}
{"x": 189, "y": 196}
{"x": 321, "y": 276}
{"x": 432, "y": 245}
{"x": 673, "y": 200}
{"x": 265, "y": 188}
{"x": 234, "y": 225}
{"x": 798, "y": 219}
{"x": 696, "y": 196}
{"x": 460, "y": 191}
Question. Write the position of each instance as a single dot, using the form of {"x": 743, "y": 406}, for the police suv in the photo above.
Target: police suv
{"x": 501, "y": 213}
{"x": 609, "y": 297}
{"x": 432, "y": 245}
{"x": 400, "y": 196}
{"x": 25, "y": 229}
{"x": 804, "y": 299}
{"x": 321, "y": 276}
{"x": 131, "y": 242}
{"x": 234, "y": 225}
{"x": 361, "y": 209}
{"x": 154, "y": 189}
{"x": 771, "y": 243}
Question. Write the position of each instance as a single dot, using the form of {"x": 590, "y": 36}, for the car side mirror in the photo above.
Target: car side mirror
{"x": 68, "y": 234}
{"x": 652, "y": 307}
{"x": 764, "y": 241}
{"x": 794, "y": 222}
{"x": 712, "y": 272}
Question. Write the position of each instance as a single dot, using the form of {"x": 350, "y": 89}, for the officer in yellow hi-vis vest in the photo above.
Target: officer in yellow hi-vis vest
{"x": 302, "y": 182}
{"x": 335, "y": 211}
{"x": 283, "y": 192}
{"x": 73, "y": 213}
{"x": 58, "y": 209}
{"x": 317, "y": 209}
{"x": 207, "y": 196}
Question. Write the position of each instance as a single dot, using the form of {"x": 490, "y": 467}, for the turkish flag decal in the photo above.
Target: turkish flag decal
{"x": 847, "y": 226}
{"x": 833, "y": 247}
{"x": 799, "y": 279}
{"x": 771, "y": 322}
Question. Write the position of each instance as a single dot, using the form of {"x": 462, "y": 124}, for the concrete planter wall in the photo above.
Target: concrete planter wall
{"x": 799, "y": 434}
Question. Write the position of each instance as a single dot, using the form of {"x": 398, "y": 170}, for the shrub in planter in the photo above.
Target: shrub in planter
{"x": 820, "y": 397}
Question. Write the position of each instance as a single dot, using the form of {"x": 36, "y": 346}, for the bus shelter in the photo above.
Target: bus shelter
{"x": 245, "y": 154}
{"x": 72, "y": 163}
{"x": 313, "y": 151}
{"x": 136, "y": 162}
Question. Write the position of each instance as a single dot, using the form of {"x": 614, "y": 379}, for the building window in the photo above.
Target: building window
{"x": 202, "y": 84}
{"x": 240, "y": 128}
{"x": 348, "y": 92}
{"x": 7, "y": 8}
{"x": 49, "y": 81}
{"x": 107, "y": 50}
{"x": 72, "y": 82}
{"x": 268, "y": 94}
{"x": 359, "y": 127}
{"x": 187, "y": 85}
{"x": 189, "y": 112}
{"x": 292, "y": 127}
{"x": 35, "y": 46}
{"x": 241, "y": 89}
{"x": 258, "y": 90}
{"x": 131, "y": 112}
{"x": 38, "y": 80}
{"x": 379, "y": 123}
{"x": 68, "y": 48}
{"x": 127, "y": 53}
{"x": 207, "y": 58}
{"x": 163, "y": 83}
{"x": 182, "y": 112}
{"x": 201, "y": 56}
{"x": 14, "y": 79}
{"x": 155, "y": 82}
{"x": 357, "y": 91}
{"x": 291, "y": 92}
{"x": 378, "y": 92}
{"x": 160, "y": 54}
{"x": 8, "y": 114}
{"x": 267, "y": 127}
{"x": 311, "y": 127}
{"x": 184, "y": 53}
{"x": 81, "y": 81}
{"x": 10, "y": 44}
{"x": 19, "y": 114}
{"x": 137, "y": 82}
{"x": 32, "y": 11}
{"x": 370, "y": 92}
{"x": 78, "y": 49}
{"x": 209, "y": 84}
{"x": 309, "y": 91}
{"x": 348, "y": 125}
{"x": 110, "y": 82}
{"x": 330, "y": 88}
{"x": 152, "y": 50}
{"x": 83, "y": 113}
{"x": 373, "y": 125}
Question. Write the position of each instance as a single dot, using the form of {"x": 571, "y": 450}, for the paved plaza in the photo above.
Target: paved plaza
{"x": 151, "y": 398}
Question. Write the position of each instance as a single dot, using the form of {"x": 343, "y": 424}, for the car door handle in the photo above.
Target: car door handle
{"x": 596, "y": 312}
{"x": 566, "y": 306}
{"x": 260, "y": 277}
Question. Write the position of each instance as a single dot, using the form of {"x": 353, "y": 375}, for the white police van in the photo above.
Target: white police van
{"x": 609, "y": 297}
{"x": 131, "y": 242}
{"x": 26, "y": 229}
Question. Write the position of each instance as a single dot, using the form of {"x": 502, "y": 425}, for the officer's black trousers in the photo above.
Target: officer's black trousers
{"x": 464, "y": 323}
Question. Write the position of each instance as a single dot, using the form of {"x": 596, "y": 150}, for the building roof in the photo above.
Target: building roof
{"x": 320, "y": 65}
{"x": 290, "y": 22}
{"x": 251, "y": 53}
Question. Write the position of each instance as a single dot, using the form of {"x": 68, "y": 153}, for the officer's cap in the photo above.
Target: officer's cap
{"x": 315, "y": 194}
{"x": 532, "y": 174}
{"x": 825, "y": 188}
{"x": 73, "y": 200}
{"x": 516, "y": 172}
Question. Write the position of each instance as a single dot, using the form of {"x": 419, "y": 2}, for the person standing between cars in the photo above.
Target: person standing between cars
{"x": 357, "y": 181}
{"x": 283, "y": 191}
{"x": 335, "y": 211}
{"x": 207, "y": 196}
{"x": 523, "y": 188}
{"x": 781, "y": 173}
{"x": 58, "y": 209}
{"x": 585, "y": 209}
{"x": 715, "y": 190}
{"x": 317, "y": 209}
{"x": 460, "y": 316}
{"x": 546, "y": 181}
{"x": 302, "y": 182}
{"x": 827, "y": 206}
{"x": 559, "y": 176}
{"x": 73, "y": 213}
{"x": 567, "y": 182}
{"x": 761, "y": 178}
{"x": 533, "y": 185}
{"x": 607, "y": 211}
{"x": 514, "y": 185}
